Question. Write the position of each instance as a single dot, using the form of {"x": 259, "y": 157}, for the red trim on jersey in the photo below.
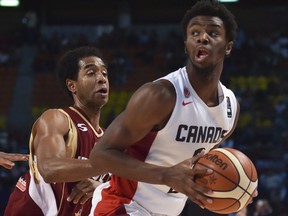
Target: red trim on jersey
{"x": 121, "y": 190}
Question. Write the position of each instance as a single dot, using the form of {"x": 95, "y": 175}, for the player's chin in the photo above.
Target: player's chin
{"x": 101, "y": 95}
{"x": 101, "y": 100}
{"x": 204, "y": 67}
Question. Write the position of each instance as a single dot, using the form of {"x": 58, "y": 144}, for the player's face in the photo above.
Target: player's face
{"x": 92, "y": 82}
{"x": 206, "y": 42}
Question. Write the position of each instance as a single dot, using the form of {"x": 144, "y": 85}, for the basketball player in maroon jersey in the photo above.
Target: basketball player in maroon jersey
{"x": 7, "y": 159}
{"x": 60, "y": 180}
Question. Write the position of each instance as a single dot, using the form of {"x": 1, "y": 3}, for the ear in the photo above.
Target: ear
{"x": 228, "y": 48}
{"x": 71, "y": 85}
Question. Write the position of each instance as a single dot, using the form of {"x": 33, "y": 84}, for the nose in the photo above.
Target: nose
{"x": 203, "y": 38}
{"x": 101, "y": 78}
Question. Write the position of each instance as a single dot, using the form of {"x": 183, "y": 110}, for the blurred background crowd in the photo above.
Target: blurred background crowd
{"x": 141, "y": 43}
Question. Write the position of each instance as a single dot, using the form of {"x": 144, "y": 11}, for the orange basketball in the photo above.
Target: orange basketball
{"x": 233, "y": 181}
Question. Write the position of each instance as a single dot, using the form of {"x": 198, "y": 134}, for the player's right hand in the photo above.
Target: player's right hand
{"x": 181, "y": 178}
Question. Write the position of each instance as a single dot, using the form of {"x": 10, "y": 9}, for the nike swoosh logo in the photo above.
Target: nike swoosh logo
{"x": 186, "y": 103}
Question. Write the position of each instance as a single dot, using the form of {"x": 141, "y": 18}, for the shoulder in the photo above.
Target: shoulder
{"x": 52, "y": 117}
{"x": 155, "y": 95}
{"x": 161, "y": 89}
{"x": 151, "y": 103}
{"x": 53, "y": 114}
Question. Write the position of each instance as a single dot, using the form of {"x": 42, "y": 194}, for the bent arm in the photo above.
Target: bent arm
{"x": 148, "y": 107}
{"x": 50, "y": 150}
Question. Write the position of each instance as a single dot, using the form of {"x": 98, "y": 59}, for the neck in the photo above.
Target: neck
{"x": 204, "y": 84}
{"x": 91, "y": 115}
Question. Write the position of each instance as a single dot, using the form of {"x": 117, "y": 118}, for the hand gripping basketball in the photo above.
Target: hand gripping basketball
{"x": 234, "y": 179}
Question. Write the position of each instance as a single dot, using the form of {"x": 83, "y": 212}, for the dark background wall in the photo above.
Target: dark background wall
{"x": 254, "y": 13}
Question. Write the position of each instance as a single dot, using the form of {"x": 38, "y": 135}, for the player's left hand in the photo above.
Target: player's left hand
{"x": 83, "y": 191}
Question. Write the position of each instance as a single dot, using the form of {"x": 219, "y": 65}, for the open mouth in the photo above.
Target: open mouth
{"x": 202, "y": 54}
{"x": 102, "y": 91}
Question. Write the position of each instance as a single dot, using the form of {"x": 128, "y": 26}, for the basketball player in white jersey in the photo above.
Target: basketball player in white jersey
{"x": 152, "y": 145}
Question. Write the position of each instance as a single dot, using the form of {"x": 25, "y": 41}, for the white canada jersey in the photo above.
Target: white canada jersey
{"x": 192, "y": 127}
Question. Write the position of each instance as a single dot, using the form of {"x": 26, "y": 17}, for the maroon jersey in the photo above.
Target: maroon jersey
{"x": 33, "y": 196}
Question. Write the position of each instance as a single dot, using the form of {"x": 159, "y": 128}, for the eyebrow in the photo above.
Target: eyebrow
{"x": 92, "y": 64}
{"x": 210, "y": 25}
{"x": 89, "y": 65}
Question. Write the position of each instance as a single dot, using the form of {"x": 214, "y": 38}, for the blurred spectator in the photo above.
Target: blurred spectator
{"x": 273, "y": 182}
{"x": 263, "y": 208}
{"x": 260, "y": 85}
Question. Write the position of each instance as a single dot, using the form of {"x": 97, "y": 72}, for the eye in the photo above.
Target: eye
{"x": 213, "y": 34}
{"x": 91, "y": 72}
{"x": 104, "y": 73}
{"x": 194, "y": 33}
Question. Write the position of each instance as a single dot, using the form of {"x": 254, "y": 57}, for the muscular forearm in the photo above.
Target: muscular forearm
{"x": 122, "y": 165}
{"x": 66, "y": 170}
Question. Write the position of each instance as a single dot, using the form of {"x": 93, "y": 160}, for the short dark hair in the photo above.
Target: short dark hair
{"x": 211, "y": 8}
{"x": 68, "y": 66}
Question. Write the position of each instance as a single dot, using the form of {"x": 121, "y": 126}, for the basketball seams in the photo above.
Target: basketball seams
{"x": 226, "y": 194}
{"x": 246, "y": 186}
{"x": 239, "y": 189}
{"x": 219, "y": 173}
{"x": 242, "y": 171}
{"x": 219, "y": 193}
{"x": 239, "y": 167}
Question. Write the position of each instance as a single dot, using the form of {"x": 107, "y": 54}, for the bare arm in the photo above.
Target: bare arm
{"x": 142, "y": 113}
{"x": 150, "y": 106}
{"x": 49, "y": 145}
{"x": 7, "y": 159}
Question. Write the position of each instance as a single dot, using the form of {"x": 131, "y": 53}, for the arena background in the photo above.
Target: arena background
{"x": 141, "y": 40}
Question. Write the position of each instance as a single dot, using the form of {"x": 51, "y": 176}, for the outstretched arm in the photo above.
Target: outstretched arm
{"x": 7, "y": 159}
